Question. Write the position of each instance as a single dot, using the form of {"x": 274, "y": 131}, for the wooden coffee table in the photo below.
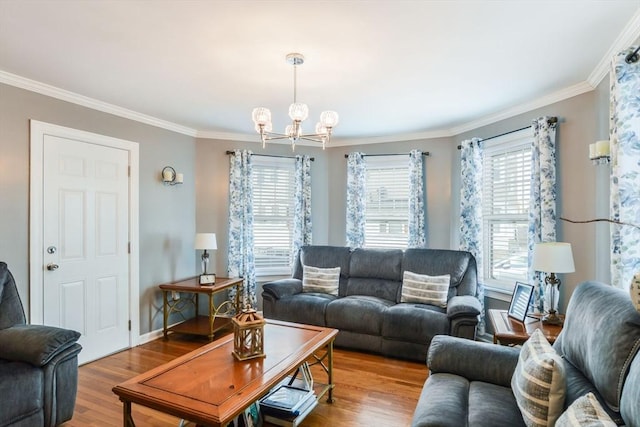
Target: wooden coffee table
{"x": 210, "y": 387}
{"x": 508, "y": 331}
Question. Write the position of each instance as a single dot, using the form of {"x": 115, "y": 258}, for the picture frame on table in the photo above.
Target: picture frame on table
{"x": 520, "y": 300}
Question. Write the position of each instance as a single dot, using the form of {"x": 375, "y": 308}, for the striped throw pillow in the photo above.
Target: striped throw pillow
{"x": 585, "y": 411}
{"x": 425, "y": 289}
{"x": 322, "y": 280}
{"x": 538, "y": 382}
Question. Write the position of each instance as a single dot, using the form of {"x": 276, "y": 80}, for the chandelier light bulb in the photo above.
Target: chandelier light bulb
{"x": 320, "y": 129}
{"x": 261, "y": 116}
{"x": 298, "y": 111}
{"x": 329, "y": 119}
{"x": 267, "y": 127}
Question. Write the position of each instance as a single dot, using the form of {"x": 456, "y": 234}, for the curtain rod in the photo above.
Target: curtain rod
{"x": 551, "y": 120}
{"x": 313, "y": 159}
{"x": 633, "y": 56}
{"x": 426, "y": 153}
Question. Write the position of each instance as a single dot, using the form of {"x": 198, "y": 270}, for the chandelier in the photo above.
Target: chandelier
{"x": 298, "y": 112}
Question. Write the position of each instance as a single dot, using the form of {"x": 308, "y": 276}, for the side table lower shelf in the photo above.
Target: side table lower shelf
{"x": 200, "y": 325}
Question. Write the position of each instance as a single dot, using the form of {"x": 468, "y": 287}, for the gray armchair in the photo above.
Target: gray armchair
{"x": 38, "y": 365}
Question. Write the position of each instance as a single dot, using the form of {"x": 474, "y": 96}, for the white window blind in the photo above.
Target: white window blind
{"x": 387, "y": 203}
{"x": 507, "y": 182}
{"x": 273, "y": 192}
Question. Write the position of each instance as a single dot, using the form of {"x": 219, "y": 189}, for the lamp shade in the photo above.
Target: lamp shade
{"x": 553, "y": 257}
{"x": 206, "y": 241}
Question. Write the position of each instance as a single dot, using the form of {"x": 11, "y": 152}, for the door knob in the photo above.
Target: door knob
{"x": 51, "y": 266}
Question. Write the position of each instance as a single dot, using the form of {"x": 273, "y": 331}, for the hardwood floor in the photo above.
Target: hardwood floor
{"x": 370, "y": 390}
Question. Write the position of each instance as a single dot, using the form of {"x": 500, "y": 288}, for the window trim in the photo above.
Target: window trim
{"x": 500, "y": 289}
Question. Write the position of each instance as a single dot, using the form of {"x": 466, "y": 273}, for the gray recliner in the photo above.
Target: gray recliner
{"x": 38, "y": 365}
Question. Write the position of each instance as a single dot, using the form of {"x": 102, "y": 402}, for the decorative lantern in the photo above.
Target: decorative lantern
{"x": 248, "y": 335}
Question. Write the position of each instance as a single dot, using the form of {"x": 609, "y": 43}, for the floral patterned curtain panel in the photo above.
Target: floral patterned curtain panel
{"x": 417, "y": 216}
{"x": 302, "y": 206}
{"x": 471, "y": 211}
{"x": 241, "y": 259}
{"x": 356, "y": 203}
{"x": 625, "y": 173}
{"x": 542, "y": 202}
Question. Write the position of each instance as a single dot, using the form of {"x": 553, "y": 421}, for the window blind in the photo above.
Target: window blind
{"x": 387, "y": 202}
{"x": 506, "y": 182}
{"x": 273, "y": 195}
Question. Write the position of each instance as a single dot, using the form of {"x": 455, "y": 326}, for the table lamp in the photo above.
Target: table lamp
{"x": 552, "y": 258}
{"x": 206, "y": 241}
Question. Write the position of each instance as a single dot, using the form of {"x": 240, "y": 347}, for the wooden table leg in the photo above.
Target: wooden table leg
{"x": 330, "y": 372}
{"x": 165, "y": 314}
{"x": 126, "y": 412}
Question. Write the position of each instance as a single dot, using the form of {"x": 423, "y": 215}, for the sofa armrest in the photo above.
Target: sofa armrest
{"x": 282, "y": 288}
{"x": 463, "y": 306}
{"x": 35, "y": 344}
{"x": 473, "y": 360}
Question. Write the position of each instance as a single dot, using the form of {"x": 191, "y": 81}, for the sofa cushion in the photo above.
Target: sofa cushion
{"x": 601, "y": 347}
{"x": 322, "y": 280}
{"x": 376, "y": 273}
{"x": 324, "y": 257}
{"x": 425, "y": 289}
{"x": 309, "y": 308}
{"x": 585, "y": 412}
{"x": 35, "y": 344}
{"x": 22, "y": 392}
{"x": 538, "y": 382}
{"x": 11, "y": 311}
{"x": 362, "y": 314}
{"x": 629, "y": 406}
{"x": 414, "y": 322}
{"x": 492, "y": 405}
{"x": 436, "y": 262}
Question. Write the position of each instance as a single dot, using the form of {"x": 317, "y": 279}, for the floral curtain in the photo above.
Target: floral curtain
{"x": 356, "y": 203}
{"x": 302, "y": 206}
{"x": 471, "y": 211}
{"x": 625, "y": 173}
{"x": 542, "y": 202}
{"x": 417, "y": 215}
{"x": 241, "y": 259}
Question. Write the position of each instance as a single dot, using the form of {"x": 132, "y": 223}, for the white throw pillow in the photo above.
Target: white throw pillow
{"x": 538, "y": 382}
{"x": 322, "y": 280}
{"x": 424, "y": 289}
{"x": 585, "y": 411}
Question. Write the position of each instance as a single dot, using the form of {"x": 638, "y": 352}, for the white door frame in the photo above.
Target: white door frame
{"x": 36, "y": 259}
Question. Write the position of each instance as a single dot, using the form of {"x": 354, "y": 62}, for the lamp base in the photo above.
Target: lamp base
{"x": 551, "y": 318}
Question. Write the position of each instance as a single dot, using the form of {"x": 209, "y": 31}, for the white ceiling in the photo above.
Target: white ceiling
{"x": 389, "y": 68}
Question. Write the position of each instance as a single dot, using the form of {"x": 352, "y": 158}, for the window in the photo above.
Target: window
{"x": 505, "y": 210}
{"x": 387, "y": 202}
{"x": 273, "y": 191}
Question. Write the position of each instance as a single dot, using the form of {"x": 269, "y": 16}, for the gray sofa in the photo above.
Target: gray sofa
{"x": 367, "y": 310}
{"x": 470, "y": 382}
{"x": 38, "y": 365}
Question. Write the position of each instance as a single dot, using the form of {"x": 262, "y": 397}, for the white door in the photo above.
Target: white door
{"x": 85, "y": 243}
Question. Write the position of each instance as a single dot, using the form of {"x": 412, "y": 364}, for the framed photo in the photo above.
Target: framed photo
{"x": 520, "y": 300}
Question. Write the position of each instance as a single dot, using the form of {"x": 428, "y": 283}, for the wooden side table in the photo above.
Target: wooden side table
{"x": 217, "y": 317}
{"x": 508, "y": 331}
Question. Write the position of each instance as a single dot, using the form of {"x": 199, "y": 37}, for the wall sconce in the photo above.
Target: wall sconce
{"x": 599, "y": 152}
{"x": 170, "y": 177}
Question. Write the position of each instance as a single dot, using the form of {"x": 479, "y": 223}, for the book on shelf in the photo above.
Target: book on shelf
{"x": 286, "y": 399}
{"x": 291, "y": 420}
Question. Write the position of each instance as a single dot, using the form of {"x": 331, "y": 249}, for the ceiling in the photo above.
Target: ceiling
{"x": 391, "y": 69}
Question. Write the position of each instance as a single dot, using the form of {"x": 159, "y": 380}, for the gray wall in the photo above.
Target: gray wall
{"x": 167, "y": 214}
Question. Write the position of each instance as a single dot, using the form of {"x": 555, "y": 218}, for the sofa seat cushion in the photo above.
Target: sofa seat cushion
{"x": 362, "y": 314}
{"x": 492, "y": 405}
{"x": 449, "y": 400}
{"x": 21, "y": 391}
{"x": 306, "y": 308}
{"x": 414, "y": 322}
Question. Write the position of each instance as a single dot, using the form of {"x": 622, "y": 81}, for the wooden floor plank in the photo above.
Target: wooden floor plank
{"x": 370, "y": 389}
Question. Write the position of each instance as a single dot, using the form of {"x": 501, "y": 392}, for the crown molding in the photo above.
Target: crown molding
{"x": 227, "y": 136}
{"x": 344, "y": 142}
{"x": 543, "y": 101}
{"x": 627, "y": 37}
{"x": 85, "y": 101}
